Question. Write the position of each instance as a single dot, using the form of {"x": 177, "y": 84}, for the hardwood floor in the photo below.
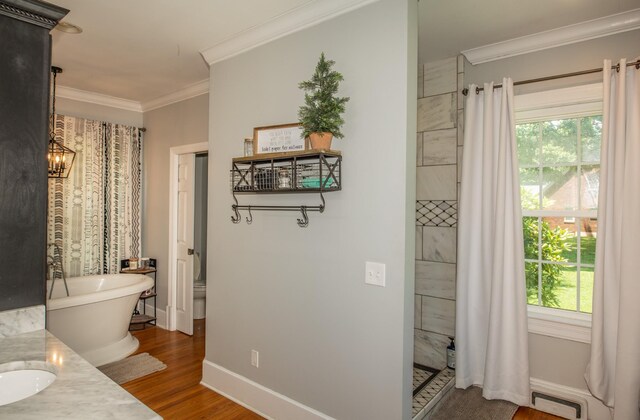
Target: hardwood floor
{"x": 176, "y": 393}
{"x": 526, "y": 413}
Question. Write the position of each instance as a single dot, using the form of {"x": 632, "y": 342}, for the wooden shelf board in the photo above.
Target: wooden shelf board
{"x": 142, "y": 319}
{"x": 138, "y": 271}
{"x": 286, "y": 155}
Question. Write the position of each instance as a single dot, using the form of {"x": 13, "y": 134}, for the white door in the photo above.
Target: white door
{"x": 184, "y": 259}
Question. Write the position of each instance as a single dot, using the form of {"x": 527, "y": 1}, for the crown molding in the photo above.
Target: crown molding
{"x": 97, "y": 98}
{"x": 596, "y": 28}
{"x": 35, "y": 12}
{"x": 292, "y": 21}
{"x": 196, "y": 89}
{"x": 191, "y": 91}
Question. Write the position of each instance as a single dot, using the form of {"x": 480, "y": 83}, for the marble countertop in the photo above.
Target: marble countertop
{"x": 80, "y": 391}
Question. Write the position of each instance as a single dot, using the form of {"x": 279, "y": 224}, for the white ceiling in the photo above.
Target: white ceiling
{"x": 144, "y": 49}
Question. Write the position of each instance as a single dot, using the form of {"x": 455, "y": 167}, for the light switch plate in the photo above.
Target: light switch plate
{"x": 374, "y": 274}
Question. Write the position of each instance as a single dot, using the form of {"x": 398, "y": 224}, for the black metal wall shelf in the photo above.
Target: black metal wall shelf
{"x": 308, "y": 171}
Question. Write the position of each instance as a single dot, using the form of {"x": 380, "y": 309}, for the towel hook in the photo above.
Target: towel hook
{"x": 304, "y": 222}
{"x": 250, "y": 217}
{"x": 235, "y": 219}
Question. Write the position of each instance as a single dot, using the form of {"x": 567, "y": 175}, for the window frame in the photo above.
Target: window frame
{"x": 563, "y": 103}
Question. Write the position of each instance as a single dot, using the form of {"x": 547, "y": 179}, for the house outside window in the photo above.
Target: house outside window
{"x": 559, "y": 136}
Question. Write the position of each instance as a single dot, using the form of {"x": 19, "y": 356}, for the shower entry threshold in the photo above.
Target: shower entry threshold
{"x": 429, "y": 386}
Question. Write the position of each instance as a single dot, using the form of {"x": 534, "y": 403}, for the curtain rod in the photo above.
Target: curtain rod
{"x": 465, "y": 91}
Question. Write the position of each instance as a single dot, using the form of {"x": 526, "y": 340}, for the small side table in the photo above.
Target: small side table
{"x": 138, "y": 318}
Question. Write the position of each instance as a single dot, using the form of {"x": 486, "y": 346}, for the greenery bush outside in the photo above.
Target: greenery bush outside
{"x": 559, "y": 288}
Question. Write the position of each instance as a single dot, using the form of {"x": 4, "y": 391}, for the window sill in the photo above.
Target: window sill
{"x": 560, "y": 324}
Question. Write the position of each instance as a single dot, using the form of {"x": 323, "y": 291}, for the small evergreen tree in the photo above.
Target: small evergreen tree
{"x": 322, "y": 110}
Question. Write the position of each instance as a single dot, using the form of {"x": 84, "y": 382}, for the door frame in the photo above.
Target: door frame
{"x": 174, "y": 152}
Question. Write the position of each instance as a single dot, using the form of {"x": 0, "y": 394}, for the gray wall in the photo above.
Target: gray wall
{"x": 566, "y": 59}
{"x": 97, "y": 112}
{"x": 297, "y": 295}
{"x": 552, "y": 359}
{"x": 181, "y": 123}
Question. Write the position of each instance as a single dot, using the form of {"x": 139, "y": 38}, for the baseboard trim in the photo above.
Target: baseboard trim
{"x": 161, "y": 316}
{"x": 255, "y": 397}
{"x": 596, "y": 410}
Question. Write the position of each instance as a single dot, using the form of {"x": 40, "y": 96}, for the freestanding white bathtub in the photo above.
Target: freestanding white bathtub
{"x": 94, "y": 319}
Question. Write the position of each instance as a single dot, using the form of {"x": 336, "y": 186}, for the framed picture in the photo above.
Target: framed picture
{"x": 278, "y": 139}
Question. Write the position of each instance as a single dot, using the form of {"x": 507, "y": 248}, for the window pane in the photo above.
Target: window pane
{"x": 586, "y": 289}
{"x": 530, "y": 188}
{"x": 560, "y": 188}
{"x": 558, "y": 240}
{"x": 528, "y": 144}
{"x": 591, "y": 135}
{"x": 589, "y": 187}
{"x": 588, "y": 236}
{"x": 559, "y": 286}
{"x": 531, "y": 275}
{"x": 530, "y": 233}
{"x": 559, "y": 141}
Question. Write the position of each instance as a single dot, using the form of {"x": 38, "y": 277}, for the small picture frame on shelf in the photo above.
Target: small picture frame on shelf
{"x": 278, "y": 139}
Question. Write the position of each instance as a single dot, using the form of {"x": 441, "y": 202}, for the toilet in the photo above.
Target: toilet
{"x": 199, "y": 291}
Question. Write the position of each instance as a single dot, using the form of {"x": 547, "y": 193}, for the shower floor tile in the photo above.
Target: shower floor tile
{"x": 431, "y": 393}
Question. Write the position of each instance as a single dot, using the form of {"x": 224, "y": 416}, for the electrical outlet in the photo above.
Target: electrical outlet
{"x": 255, "y": 358}
{"x": 374, "y": 274}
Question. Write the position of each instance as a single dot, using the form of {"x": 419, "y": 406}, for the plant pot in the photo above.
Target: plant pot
{"x": 320, "y": 141}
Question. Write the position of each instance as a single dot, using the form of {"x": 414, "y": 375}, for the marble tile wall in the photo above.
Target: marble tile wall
{"x": 439, "y": 154}
{"x": 21, "y": 320}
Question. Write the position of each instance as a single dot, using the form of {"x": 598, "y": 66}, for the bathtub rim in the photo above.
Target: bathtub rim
{"x": 138, "y": 284}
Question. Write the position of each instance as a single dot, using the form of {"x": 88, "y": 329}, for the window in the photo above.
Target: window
{"x": 559, "y": 178}
{"x": 559, "y": 136}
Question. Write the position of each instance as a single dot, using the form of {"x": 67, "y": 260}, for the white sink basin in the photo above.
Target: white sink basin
{"x": 16, "y": 385}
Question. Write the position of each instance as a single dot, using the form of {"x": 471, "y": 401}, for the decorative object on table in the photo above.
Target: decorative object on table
{"x": 133, "y": 263}
{"x": 60, "y": 157}
{"x": 278, "y": 139}
{"x": 320, "y": 116}
{"x": 284, "y": 180}
{"x": 248, "y": 147}
{"x": 143, "y": 263}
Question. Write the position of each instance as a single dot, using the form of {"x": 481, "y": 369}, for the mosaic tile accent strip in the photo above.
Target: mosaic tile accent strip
{"x": 421, "y": 377}
{"x": 441, "y": 213}
{"x": 432, "y": 389}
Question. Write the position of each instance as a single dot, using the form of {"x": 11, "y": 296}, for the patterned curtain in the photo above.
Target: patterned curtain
{"x": 95, "y": 214}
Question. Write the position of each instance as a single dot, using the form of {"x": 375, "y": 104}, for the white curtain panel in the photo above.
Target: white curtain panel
{"x": 491, "y": 307}
{"x": 613, "y": 374}
{"x": 94, "y": 215}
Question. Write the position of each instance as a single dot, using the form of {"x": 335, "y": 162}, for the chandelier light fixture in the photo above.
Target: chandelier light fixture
{"x": 59, "y": 157}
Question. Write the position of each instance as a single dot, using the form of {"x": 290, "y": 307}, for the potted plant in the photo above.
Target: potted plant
{"x": 320, "y": 116}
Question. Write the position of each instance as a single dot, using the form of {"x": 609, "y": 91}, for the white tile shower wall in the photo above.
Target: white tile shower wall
{"x": 436, "y": 279}
{"x": 440, "y": 140}
{"x": 437, "y": 112}
{"x": 440, "y": 77}
{"x": 439, "y": 147}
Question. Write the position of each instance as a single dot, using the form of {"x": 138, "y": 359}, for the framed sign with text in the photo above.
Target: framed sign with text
{"x": 278, "y": 139}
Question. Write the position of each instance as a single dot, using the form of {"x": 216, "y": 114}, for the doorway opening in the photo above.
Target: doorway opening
{"x": 200, "y": 236}
{"x": 187, "y": 236}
